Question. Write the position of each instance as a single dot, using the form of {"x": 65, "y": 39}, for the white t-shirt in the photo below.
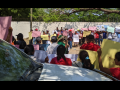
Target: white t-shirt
{"x": 52, "y": 49}
{"x": 109, "y": 36}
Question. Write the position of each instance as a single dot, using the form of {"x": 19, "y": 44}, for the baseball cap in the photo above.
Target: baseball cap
{"x": 53, "y": 38}
{"x": 90, "y": 37}
{"x": 20, "y": 35}
{"x": 38, "y": 39}
{"x": 36, "y": 29}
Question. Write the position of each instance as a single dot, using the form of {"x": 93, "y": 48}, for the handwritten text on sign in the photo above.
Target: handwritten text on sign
{"x": 76, "y": 38}
{"x": 36, "y": 33}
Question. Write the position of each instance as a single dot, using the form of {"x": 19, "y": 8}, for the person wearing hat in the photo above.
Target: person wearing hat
{"x": 61, "y": 42}
{"x": 34, "y": 38}
{"x": 90, "y": 44}
{"x": 52, "y": 49}
{"x": 38, "y": 41}
{"x": 20, "y": 41}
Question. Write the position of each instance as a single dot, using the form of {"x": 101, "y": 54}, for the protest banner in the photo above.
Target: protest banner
{"x": 73, "y": 31}
{"x": 85, "y": 33}
{"x": 44, "y": 37}
{"x": 30, "y": 35}
{"x": 109, "y": 49}
{"x": 92, "y": 28}
{"x": 92, "y": 56}
{"x": 65, "y": 33}
{"x": 36, "y": 47}
{"x": 84, "y": 29}
{"x": 73, "y": 57}
{"x": 76, "y": 38}
{"x": 5, "y": 23}
{"x": 110, "y": 29}
{"x": 36, "y": 33}
{"x": 117, "y": 29}
{"x": 105, "y": 26}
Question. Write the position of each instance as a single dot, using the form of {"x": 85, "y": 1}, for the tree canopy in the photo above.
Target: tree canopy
{"x": 64, "y": 14}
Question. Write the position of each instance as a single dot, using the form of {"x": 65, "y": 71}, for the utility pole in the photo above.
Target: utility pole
{"x": 30, "y": 19}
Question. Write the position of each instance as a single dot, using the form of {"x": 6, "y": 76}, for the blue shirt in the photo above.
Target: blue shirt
{"x": 104, "y": 35}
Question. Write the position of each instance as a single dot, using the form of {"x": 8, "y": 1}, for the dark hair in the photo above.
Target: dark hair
{"x": 60, "y": 52}
{"x": 117, "y": 56}
{"x": 20, "y": 38}
{"x": 86, "y": 62}
{"x": 29, "y": 49}
{"x": 22, "y": 45}
{"x": 54, "y": 40}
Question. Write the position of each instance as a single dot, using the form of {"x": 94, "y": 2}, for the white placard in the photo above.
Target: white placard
{"x": 117, "y": 29}
{"x": 76, "y": 38}
{"x": 73, "y": 57}
{"x": 100, "y": 28}
{"x": 40, "y": 55}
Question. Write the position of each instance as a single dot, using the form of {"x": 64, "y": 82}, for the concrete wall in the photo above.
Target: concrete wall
{"x": 24, "y": 26}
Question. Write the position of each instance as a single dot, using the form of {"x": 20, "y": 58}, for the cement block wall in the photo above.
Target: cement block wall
{"x": 24, "y": 26}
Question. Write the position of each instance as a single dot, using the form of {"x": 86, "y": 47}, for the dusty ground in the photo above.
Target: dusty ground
{"x": 74, "y": 50}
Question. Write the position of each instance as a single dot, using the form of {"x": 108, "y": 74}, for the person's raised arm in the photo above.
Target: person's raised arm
{"x": 106, "y": 70}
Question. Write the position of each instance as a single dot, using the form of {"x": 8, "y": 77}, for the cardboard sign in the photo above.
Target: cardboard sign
{"x": 44, "y": 37}
{"x": 84, "y": 29}
{"x": 85, "y": 33}
{"x": 117, "y": 29}
{"x": 65, "y": 33}
{"x": 109, "y": 49}
{"x": 36, "y": 47}
{"x": 76, "y": 38}
{"x": 30, "y": 35}
{"x": 92, "y": 28}
{"x": 36, "y": 33}
{"x": 110, "y": 29}
{"x": 5, "y": 23}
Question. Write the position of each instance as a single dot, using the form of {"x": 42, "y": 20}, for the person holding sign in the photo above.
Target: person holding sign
{"x": 38, "y": 40}
{"x": 34, "y": 36}
{"x": 115, "y": 72}
{"x": 70, "y": 38}
{"x": 90, "y": 45}
{"x": 75, "y": 39}
{"x": 43, "y": 40}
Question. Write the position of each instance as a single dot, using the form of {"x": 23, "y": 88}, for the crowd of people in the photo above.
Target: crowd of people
{"x": 60, "y": 46}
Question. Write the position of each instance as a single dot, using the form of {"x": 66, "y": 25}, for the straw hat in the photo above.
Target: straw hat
{"x": 60, "y": 37}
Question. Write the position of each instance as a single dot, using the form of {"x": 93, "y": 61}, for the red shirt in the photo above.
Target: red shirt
{"x": 115, "y": 72}
{"x": 61, "y": 61}
{"x": 96, "y": 35}
{"x": 90, "y": 46}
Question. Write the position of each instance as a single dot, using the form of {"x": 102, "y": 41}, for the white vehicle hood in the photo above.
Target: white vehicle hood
{"x": 52, "y": 72}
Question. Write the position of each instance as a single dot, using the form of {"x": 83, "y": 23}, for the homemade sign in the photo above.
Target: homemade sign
{"x": 76, "y": 38}
{"x": 85, "y": 33}
{"x": 44, "y": 37}
{"x": 40, "y": 55}
{"x": 36, "y": 47}
{"x": 30, "y": 35}
{"x": 73, "y": 57}
{"x": 117, "y": 29}
{"x": 100, "y": 28}
{"x": 92, "y": 28}
{"x": 110, "y": 29}
{"x": 36, "y": 33}
{"x": 84, "y": 29}
{"x": 105, "y": 26}
{"x": 109, "y": 49}
{"x": 92, "y": 56}
{"x": 65, "y": 33}
{"x": 5, "y": 23}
